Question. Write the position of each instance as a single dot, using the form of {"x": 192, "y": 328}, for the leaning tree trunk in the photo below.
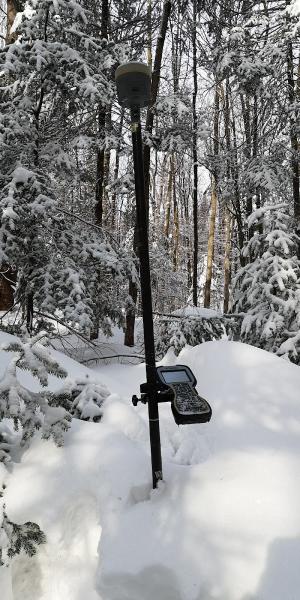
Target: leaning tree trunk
{"x": 154, "y": 89}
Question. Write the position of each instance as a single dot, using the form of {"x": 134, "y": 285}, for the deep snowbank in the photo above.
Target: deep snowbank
{"x": 225, "y": 524}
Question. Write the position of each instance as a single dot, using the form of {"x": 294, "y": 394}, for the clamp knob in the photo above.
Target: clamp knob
{"x": 135, "y": 400}
{"x": 143, "y": 399}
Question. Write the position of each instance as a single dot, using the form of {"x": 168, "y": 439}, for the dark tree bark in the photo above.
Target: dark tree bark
{"x": 213, "y": 208}
{"x": 7, "y": 281}
{"x": 29, "y": 312}
{"x": 294, "y": 121}
{"x": 7, "y": 274}
{"x": 154, "y": 89}
{"x": 227, "y": 263}
{"x": 176, "y": 224}
{"x": 114, "y": 217}
{"x": 130, "y": 315}
{"x": 195, "y": 158}
{"x": 100, "y": 158}
{"x": 237, "y": 195}
{"x": 169, "y": 199}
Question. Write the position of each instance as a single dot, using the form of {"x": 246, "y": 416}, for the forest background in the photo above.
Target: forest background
{"x": 221, "y": 155}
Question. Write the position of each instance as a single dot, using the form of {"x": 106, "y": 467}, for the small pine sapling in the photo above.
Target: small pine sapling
{"x": 31, "y": 410}
{"x": 83, "y": 398}
{"x": 16, "y": 538}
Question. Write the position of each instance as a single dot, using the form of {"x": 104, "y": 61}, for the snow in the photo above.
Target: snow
{"x": 295, "y": 7}
{"x": 224, "y": 524}
{"x": 196, "y": 311}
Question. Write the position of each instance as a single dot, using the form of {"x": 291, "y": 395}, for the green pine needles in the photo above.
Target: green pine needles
{"x": 15, "y": 539}
{"x": 267, "y": 289}
{"x": 30, "y": 410}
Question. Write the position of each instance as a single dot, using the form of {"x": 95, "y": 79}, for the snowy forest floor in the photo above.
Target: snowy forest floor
{"x": 225, "y": 523}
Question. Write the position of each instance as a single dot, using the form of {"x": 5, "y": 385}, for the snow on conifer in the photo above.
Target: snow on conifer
{"x": 53, "y": 79}
{"x": 267, "y": 289}
{"x": 29, "y": 410}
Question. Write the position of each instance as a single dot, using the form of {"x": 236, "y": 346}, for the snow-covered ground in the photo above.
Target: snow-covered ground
{"x": 225, "y": 523}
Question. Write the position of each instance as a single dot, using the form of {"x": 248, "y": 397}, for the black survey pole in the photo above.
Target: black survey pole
{"x": 133, "y": 81}
{"x": 146, "y": 293}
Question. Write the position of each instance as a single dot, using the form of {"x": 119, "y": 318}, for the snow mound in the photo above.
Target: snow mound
{"x": 224, "y": 524}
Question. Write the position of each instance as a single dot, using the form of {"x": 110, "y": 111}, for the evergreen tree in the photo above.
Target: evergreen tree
{"x": 267, "y": 289}
{"x": 29, "y": 410}
{"x": 54, "y": 77}
{"x": 83, "y": 398}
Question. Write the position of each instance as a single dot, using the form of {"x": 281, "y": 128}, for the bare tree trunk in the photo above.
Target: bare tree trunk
{"x": 130, "y": 315}
{"x": 213, "y": 208}
{"x": 227, "y": 263}
{"x": 7, "y": 274}
{"x": 116, "y": 175}
{"x": 154, "y": 88}
{"x": 294, "y": 120}
{"x": 211, "y": 243}
{"x": 106, "y": 166}
{"x": 12, "y": 9}
{"x": 237, "y": 199}
{"x": 176, "y": 222}
{"x": 102, "y": 160}
{"x": 29, "y": 312}
{"x": 100, "y": 157}
{"x": 247, "y": 149}
{"x": 195, "y": 159}
{"x": 149, "y": 34}
{"x": 100, "y": 170}
{"x": 7, "y": 281}
{"x": 228, "y": 219}
{"x": 169, "y": 200}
